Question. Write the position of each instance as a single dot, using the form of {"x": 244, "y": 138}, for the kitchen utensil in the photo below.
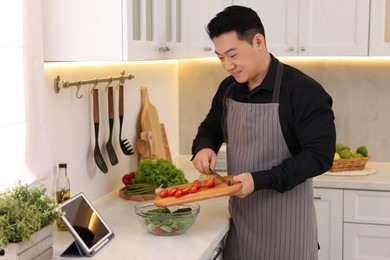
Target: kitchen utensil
{"x": 152, "y": 149}
{"x": 220, "y": 189}
{"x": 150, "y": 122}
{"x": 110, "y": 148}
{"x": 96, "y": 153}
{"x": 143, "y": 148}
{"x": 166, "y": 145}
{"x": 219, "y": 177}
{"x": 166, "y": 223}
{"x": 125, "y": 145}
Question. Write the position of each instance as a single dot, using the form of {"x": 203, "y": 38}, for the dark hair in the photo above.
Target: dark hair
{"x": 243, "y": 20}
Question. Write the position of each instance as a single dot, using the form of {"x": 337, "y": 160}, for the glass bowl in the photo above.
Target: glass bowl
{"x": 168, "y": 221}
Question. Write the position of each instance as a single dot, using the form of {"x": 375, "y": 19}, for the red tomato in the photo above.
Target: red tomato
{"x": 126, "y": 179}
{"x": 163, "y": 193}
{"x": 210, "y": 182}
{"x": 178, "y": 193}
{"x": 174, "y": 231}
{"x": 158, "y": 230}
{"x": 185, "y": 191}
{"x": 193, "y": 189}
{"x": 172, "y": 191}
{"x": 132, "y": 175}
{"x": 197, "y": 184}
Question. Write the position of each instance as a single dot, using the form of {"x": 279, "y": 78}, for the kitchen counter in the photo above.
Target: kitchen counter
{"x": 132, "y": 241}
{"x": 379, "y": 181}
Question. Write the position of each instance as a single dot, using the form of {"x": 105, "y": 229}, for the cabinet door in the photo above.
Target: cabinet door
{"x": 329, "y": 211}
{"x": 153, "y": 29}
{"x": 197, "y": 15}
{"x": 280, "y": 21}
{"x": 89, "y": 30}
{"x": 380, "y": 28}
{"x": 366, "y": 242}
{"x": 333, "y": 27}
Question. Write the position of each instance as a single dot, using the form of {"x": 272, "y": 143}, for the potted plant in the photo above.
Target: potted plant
{"x": 26, "y": 218}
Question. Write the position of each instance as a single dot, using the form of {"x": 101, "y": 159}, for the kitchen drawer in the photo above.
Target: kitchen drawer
{"x": 372, "y": 207}
{"x": 366, "y": 242}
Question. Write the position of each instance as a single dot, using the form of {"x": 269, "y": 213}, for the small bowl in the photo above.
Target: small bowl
{"x": 165, "y": 221}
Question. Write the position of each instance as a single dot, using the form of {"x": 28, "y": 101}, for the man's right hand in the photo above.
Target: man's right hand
{"x": 204, "y": 160}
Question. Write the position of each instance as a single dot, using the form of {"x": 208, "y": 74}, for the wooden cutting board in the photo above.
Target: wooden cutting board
{"x": 150, "y": 122}
{"x": 220, "y": 189}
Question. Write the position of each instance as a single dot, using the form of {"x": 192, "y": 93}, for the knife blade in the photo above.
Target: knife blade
{"x": 219, "y": 177}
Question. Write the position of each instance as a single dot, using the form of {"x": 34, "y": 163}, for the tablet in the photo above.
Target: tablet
{"x": 85, "y": 224}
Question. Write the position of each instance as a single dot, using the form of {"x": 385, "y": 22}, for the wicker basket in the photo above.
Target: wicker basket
{"x": 352, "y": 164}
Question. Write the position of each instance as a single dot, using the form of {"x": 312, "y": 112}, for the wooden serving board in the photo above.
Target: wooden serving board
{"x": 150, "y": 122}
{"x": 220, "y": 189}
{"x": 139, "y": 197}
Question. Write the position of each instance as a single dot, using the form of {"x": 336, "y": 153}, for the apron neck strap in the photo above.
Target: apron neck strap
{"x": 278, "y": 80}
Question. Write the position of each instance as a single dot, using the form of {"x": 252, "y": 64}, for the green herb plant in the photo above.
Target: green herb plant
{"x": 24, "y": 211}
{"x": 157, "y": 172}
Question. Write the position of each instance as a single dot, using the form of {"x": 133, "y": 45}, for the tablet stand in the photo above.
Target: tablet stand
{"x": 74, "y": 250}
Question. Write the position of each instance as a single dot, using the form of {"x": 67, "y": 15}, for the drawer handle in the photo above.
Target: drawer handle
{"x": 317, "y": 197}
{"x": 217, "y": 252}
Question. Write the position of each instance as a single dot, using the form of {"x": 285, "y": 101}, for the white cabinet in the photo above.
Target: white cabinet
{"x": 112, "y": 30}
{"x": 314, "y": 28}
{"x": 329, "y": 212}
{"x": 380, "y": 28}
{"x": 366, "y": 225}
{"x": 198, "y": 15}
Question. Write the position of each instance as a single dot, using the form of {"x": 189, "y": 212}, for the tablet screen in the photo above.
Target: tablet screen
{"x": 85, "y": 223}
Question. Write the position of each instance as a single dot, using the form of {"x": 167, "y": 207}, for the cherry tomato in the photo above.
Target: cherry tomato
{"x": 185, "y": 191}
{"x": 197, "y": 184}
{"x": 132, "y": 175}
{"x": 210, "y": 182}
{"x": 174, "y": 231}
{"x": 172, "y": 191}
{"x": 193, "y": 189}
{"x": 178, "y": 193}
{"x": 158, "y": 230}
{"x": 163, "y": 193}
{"x": 126, "y": 179}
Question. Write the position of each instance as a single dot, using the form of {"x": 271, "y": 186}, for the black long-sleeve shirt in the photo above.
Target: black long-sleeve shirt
{"x": 306, "y": 118}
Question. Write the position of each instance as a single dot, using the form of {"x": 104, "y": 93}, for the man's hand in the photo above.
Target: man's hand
{"x": 248, "y": 185}
{"x": 204, "y": 160}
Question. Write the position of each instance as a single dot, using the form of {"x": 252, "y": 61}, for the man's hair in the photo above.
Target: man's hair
{"x": 243, "y": 20}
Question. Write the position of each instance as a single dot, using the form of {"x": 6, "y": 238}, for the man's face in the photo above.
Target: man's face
{"x": 241, "y": 59}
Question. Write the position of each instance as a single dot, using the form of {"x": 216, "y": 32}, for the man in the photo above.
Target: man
{"x": 278, "y": 125}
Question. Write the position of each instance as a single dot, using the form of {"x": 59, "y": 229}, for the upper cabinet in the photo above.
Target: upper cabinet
{"x": 380, "y": 28}
{"x": 314, "y": 28}
{"x": 113, "y": 30}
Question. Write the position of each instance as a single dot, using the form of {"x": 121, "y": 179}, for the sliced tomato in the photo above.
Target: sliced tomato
{"x": 210, "y": 182}
{"x": 178, "y": 193}
{"x": 193, "y": 189}
{"x": 185, "y": 191}
{"x": 163, "y": 193}
{"x": 172, "y": 191}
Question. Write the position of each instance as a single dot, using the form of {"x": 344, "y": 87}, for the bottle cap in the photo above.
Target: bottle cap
{"x": 62, "y": 165}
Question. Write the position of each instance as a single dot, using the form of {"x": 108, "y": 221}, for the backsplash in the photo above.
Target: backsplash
{"x": 359, "y": 88}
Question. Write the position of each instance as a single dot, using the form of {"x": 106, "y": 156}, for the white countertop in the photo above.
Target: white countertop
{"x": 132, "y": 241}
{"x": 379, "y": 181}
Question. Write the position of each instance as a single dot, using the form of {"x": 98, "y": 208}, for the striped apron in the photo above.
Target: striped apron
{"x": 266, "y": 225}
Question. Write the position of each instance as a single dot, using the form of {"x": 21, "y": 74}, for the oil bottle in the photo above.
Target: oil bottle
{"x": 62, "y": 189}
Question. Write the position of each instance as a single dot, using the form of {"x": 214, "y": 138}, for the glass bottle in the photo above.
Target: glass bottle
{"x": 62, "y": 189}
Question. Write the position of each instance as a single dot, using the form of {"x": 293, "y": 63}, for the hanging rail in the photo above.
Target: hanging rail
{"x": 79, "y": 83}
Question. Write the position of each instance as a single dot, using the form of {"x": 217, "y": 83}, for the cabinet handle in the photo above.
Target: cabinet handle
{"x": 317, "y": 197}
{"x": 217, "y": 252}
{"x": 303, "y": 49}
{"x": 291, "y": 49}
{"x": 206, "y": 49}
{"x": 164, "y": 49}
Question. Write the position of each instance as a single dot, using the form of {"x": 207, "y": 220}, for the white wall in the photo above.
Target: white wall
{"x": 70, "y": 123}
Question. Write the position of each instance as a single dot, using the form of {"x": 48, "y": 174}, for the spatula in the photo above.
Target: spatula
{"x": 125, "y": 145}
{"x": 110, "y": 148}
{"x": 96, "y": 153}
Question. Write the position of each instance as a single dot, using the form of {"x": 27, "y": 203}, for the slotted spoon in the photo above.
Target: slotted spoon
{"x": 125, "y": 145}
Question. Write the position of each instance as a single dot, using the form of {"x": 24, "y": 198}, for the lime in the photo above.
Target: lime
{"x": 345, "y": 154}
{"x": 362, "y": 150}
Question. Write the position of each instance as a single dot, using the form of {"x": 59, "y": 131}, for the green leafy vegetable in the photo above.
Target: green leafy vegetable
{"x": 158, "y": 172}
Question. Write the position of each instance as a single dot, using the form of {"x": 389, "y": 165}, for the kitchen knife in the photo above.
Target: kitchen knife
{"x": 219, "y": 177}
